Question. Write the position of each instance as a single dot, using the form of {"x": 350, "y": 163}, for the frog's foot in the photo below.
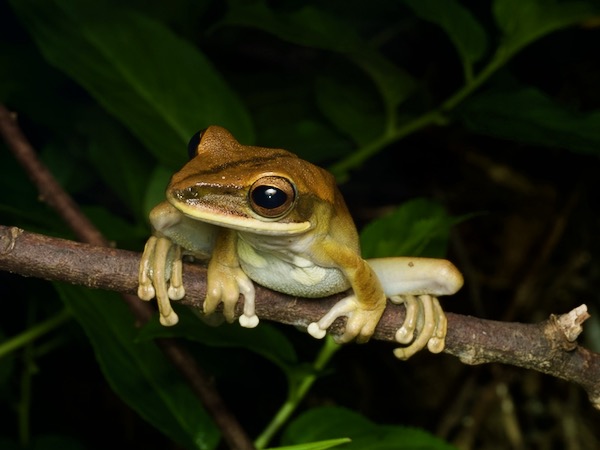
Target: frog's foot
{"x": 360, "y": 324}
{"x": 225, "y": 284}
{"x": 425, "y": 313}
{"x": 160, "y": 276}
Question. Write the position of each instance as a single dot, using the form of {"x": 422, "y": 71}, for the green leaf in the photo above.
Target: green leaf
{"x": 115, "y": 228}
{"x": 350, "y": 108}
{"x": 284, "y": 115}
{"x": 137, "y": 371}
{"x": 160, "y": 86}
{"x": 419, "y": 227}
{"x": 305, "y": 25}
{"x": 320, "y": 445}
{"x": 311, "y": 27}
{"x": 331, "y": 422}
{"x": 524, "y": 21}
{"x": 121, "y": 163}
{"x": 529, "y": 116}
{"x": 264, "y": 340}
{"x": 467, "y": 35}
{"x": 19, "y": 200}
{"x": 156, "y": 189}
{"x": 7, "y": 366}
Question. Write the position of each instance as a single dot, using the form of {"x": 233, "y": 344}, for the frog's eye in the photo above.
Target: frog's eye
{"x": 194, "y": 142}
{"x": 271, "y": 197}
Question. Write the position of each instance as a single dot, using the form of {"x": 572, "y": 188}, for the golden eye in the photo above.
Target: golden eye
{"x": 272, "y": 197}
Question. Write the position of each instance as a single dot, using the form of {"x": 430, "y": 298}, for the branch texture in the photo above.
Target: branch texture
{"x": 549, "y": 347}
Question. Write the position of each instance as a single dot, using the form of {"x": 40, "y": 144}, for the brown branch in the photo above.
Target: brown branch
{"x": 549, "y": 347}
{"x": 54, "y": 195}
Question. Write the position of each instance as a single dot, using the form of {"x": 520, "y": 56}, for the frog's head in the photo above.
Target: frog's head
{"x": 263, "y": 190}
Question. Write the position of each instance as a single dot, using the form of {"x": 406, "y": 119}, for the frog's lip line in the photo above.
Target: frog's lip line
{"x": 243, "y": 223}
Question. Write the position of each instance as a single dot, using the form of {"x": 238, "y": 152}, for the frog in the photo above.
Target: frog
{"x": 266, "y": 216}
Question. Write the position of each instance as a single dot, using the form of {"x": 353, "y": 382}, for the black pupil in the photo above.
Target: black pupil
{"x": 193, "y": 143}
{"x": 269, "y": 197}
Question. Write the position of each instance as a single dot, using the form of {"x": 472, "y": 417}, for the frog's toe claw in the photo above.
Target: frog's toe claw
{"x": 146, "y": 292}
{"x": 436, "y": 345}
{"x": 248, "y": 321}
{"x": 176, "y": 292}
{"x": 406, "y": 332}
{"x": 316, "y": 331}
{"x": 403, "y": 335}
{"x": 169, "y": 319}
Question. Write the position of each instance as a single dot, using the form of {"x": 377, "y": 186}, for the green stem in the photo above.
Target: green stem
{"x": 495, "y": 63}
{"x": 34, "y": 332}
{"x": 359, "y": 156}
{"x": 297, "y": 393}
{"x": 24, "y": 405}
{"x": 341, "y": 168}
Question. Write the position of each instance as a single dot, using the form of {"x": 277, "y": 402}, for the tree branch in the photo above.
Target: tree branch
{"x": 549, "y": 347}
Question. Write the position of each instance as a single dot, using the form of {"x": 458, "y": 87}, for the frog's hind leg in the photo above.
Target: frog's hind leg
{"x": 425, "y": 313}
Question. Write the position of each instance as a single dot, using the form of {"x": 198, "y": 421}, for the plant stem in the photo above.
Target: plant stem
{"x": 34, "y": 332}
{"x": 355, "y": 159}
{"x": 23, "y": 407}
{"x": 497, "y": 61}
{"x": 297, "y": 393}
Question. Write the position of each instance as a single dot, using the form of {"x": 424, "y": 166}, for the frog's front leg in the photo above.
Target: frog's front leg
{"x": 160, "y": 272}
{"x": 417, "y": 282}
{"x": 160, "y": 276}
{"x": 226, "y": 281}
{"x": 362, "y": 309}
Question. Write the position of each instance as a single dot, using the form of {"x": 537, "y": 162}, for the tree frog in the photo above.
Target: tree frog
{"x": 266, "y": 216}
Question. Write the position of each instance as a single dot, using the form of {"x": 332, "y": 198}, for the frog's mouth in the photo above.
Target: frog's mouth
{"x": 231, "y": 212}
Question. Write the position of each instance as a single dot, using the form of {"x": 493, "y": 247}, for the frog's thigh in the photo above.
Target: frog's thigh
{"x": 405, "y": 275}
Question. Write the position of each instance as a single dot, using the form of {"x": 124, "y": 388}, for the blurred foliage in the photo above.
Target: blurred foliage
{"x": 109, "y": 94}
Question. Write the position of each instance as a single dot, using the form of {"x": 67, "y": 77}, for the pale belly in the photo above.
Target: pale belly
{"x": 290, "y": 275}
